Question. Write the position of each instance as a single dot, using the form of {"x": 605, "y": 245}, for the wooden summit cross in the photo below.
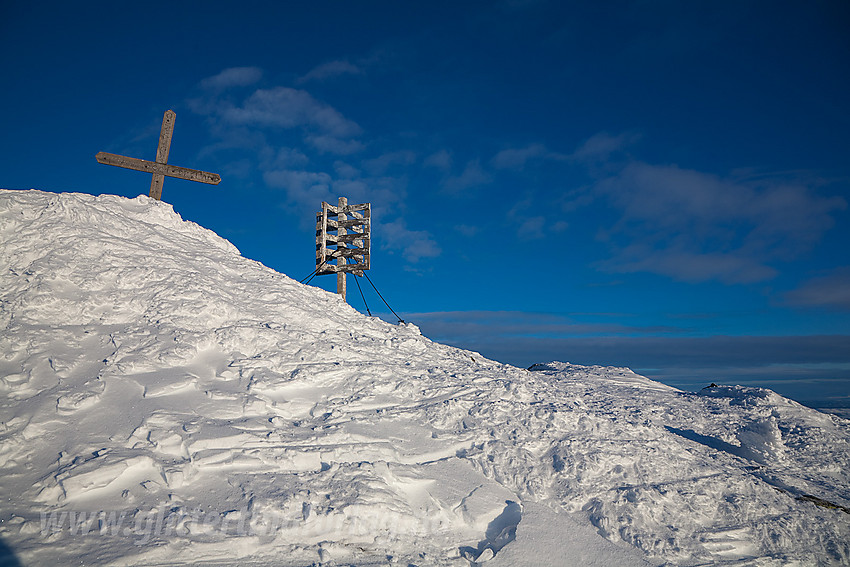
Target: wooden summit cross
{"x": 160, "y": 168}
{"x": 356, "y": 231}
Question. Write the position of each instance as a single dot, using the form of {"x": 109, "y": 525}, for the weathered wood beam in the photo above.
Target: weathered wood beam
{"x": 352, "y": 223}
{"x": 347, "y": 209}
{"x": 348, "y": 252}
{"x": 351, "y": 237}
{"x": 158, "y": 168}
{"x": 162, "y": 152}
{"x": 322, "y": 234}
{"x": 347, "y": 268}
{"x": 340, "y": 263}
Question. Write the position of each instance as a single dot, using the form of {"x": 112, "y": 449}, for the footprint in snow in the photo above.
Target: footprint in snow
{"x": 500, "y": 532}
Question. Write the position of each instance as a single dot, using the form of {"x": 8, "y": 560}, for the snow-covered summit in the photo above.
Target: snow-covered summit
{"x": 164, "y": 400}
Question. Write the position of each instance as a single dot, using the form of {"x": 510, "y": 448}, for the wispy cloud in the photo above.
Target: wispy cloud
{"x": 831, "y": 291}
{"x": 530, "y": 226}
{"x": 597, "y": 149}
{"x": 304, "y": 188}
{"x": 233, "y": 77}
{"x": 329, "y": 144}
{"x": 696, "y": 226}
{"x": 682, "y": 223}
{"x": 473, "y": 175}
{"x": 468, "y": 230}
{"x": 330, "y": 70}
{"x": 290, "y": 108}
{"x": 289, "y": 157}
{"x": 267, "y": 125}
{"x": 602, "y": 145}
{"x": 441, "y": 160}
{"x": 346, "y": 170}
{"x": 480, "y": 327}
{"x": 516, "y": 158}
{"x": 382, "y": 163}
{"x": 249, "y": 122}
{"x": 413, "y": 244}
{"x": 689, "y": 266}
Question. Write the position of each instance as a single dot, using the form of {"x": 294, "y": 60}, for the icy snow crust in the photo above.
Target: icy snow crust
{"x": 179, "y": 403}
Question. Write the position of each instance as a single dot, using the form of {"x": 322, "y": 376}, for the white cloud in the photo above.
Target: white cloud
{"x": 472, "y": 176}
{"x": 345, "y": 170}
{"x": 304, "y": 188}
{"x": 230, "y": 139}
{"x": 467, "y": 230}
{"x": 333, "y": 145}
{"x": 532, "y": 228}
{"x": 265, "y": 110}
{"x": 560, "y": 226}
{"x": 516, "y": 158}
{"x": 380, "y": 164}
{"x": 289, "y": 157}
{"x": 441, "y": 160}
{"x": 233, "y": 77}
{"x": 242, "y": 169}
{"x": 331, "y": 69}
{"x": 691, "y": 266}
{"x": 695, "y": 226}
{"x": 414, "y": 244}
{"x": 323, "y": 127}
{"x": 536, "y": 227}
{"x": 484, "y": 325}
{"x": 266, "y": 128}
{"x": 673, "y": 198}
{"x": 289, "y": 108}
{"x": 355, "y": 190}
{"x": 831, "y": 291}
{"x": 599, "y": 147}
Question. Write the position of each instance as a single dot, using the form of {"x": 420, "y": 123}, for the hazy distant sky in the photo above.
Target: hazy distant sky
{"x": 657, "y": 184}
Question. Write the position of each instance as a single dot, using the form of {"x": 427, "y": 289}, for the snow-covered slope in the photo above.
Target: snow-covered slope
{"x": 164, "y": 400}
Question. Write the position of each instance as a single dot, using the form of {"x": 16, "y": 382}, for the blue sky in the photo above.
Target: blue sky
{"x": 661, "y": 185}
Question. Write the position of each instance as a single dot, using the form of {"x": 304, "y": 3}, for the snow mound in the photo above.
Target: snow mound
{"x": 164, "y": 400}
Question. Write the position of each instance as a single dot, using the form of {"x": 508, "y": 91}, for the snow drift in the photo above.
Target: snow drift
{"x": 165, "y": 400}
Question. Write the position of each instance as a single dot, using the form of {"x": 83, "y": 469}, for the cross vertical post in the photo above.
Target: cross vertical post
{"x": 341, "y": 260}
{"x": 162, "y": 152}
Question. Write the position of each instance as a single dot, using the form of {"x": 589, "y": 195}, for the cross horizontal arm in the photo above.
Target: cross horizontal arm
{"x": 158, "y": 168}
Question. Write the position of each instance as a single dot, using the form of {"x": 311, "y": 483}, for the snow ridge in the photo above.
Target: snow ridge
{"x": 164, "y": 400}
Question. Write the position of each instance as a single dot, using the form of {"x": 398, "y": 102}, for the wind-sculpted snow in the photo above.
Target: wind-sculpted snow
{"x": 167, "y": 401}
